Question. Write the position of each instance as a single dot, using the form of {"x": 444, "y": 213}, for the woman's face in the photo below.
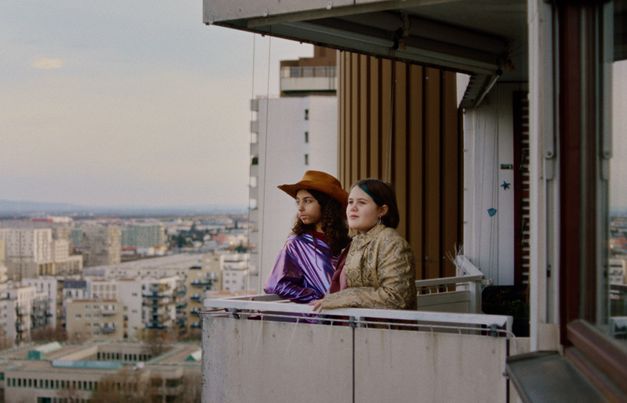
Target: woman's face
{"x": 362, "y": 212}
{"x": 308, "y": 208}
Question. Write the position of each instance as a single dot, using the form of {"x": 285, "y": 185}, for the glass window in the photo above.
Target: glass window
{"x": 617, "y": 185}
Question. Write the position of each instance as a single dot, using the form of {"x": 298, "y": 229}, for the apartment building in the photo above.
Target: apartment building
{"x": 99, "y": 244}
{"x": 99, "y": 318}
{"x": 48, "y": 301}
{"x": 28, "y": 250}
{"x": 2, "y": 251}
{"x": 235, "y": 272}
{"x": 21, "y": 299}
{"x": 143, "y": 235}
{"x": 200, "y": 280}
{"x": 290, "y": 134}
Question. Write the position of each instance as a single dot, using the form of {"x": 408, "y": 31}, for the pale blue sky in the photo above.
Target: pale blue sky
{"x": 127, "y": 103}
{"x": 139, "y": 103}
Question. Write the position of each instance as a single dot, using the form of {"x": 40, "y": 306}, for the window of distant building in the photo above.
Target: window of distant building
{"x": 306, "y": 137}
{"x": 306, "y": 159}
{"x": 306, "y": 114}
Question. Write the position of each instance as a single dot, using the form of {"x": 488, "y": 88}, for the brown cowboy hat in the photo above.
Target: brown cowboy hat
{"x": 320, "y": 181}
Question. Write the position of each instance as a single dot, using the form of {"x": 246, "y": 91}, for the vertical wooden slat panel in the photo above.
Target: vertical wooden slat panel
{"x": 341, "y": 121}
{"x": 416, "y": 162}
{"x": 450, "y": 180}
{"x": 432, "y": 173}
{"x": 401, "y": 125}
{"x": 364, "y": 145}
{"x": 399, "y": 167}
{"x": 386, "y": 118}
{"x": 375, "y": 113}
{"x": 354, "y": 117}
{"x": 345, "y": 117}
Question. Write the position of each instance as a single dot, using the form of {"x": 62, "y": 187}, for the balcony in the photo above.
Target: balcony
{"x": 197, "y": 297}
{"x": 108, "y": 311}
{"x": 362, "y": 355}
{"x": 108, "y": 329}
{"x": 308, "y": 78}
{"x": 196, "y": 325}
{"x": 23, "y": 311}
{"x": 202, "y": 283}
{"x": 155, "y": 294}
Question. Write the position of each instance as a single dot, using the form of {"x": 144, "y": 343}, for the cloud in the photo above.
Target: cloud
{"x": 47, "y": 63}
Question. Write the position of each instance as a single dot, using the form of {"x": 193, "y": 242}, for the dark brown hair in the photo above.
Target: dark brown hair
{"x": 332, "y": 220}
{"x": 383, "y": 194}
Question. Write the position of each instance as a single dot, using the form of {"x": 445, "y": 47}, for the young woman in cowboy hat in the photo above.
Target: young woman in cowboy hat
{"x": 305, "y": 265}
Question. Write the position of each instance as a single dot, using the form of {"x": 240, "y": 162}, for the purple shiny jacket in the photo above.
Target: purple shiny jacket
{"x": 303, "y": 269}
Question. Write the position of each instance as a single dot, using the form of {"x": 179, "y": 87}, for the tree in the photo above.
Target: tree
{"x": 126, "y": 385}
{"x": 69, "y": 393}
{"x": 192, "y": 388}
{"x": 157, "y": 341}
{"x": 49, "y": 333}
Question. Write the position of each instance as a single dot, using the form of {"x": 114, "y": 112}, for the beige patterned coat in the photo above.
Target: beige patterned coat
{"x": 379, "y": 272}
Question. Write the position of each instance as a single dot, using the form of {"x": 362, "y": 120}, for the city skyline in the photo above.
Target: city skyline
{"x": 118, "y": 105}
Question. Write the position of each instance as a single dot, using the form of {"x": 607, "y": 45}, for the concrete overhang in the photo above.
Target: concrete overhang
{"x": 486, "y": 39}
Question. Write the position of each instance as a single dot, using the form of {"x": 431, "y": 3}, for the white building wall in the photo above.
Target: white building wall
{"x": 130, "y": 296}
{"x": 234, "y": 269}
{"x": 60, "y": 250}
{"x": 46, "y": 286}
{"x": 102, "y": 289}
{"x": 285, "y": 149}
{"x": 488, "y": 148}
{"x": 28, "y": 243}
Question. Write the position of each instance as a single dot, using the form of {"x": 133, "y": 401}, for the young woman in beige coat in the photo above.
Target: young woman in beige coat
{"x": 378, "y": 270}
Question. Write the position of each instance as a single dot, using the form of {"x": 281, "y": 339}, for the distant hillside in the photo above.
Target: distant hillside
{"x": 11, "y": 208}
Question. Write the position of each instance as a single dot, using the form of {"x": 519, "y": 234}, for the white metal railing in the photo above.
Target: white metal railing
{"x": 307, "y": 71}
{"x": 270, "y": 307}
{"x": 460, "y": 293}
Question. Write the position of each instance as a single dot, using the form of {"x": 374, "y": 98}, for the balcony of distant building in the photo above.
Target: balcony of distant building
{"x": 107, "y": 328}
{"x": 310, "y": 76}
{"x": 107, "y": 310}
{"x": 297, "y": 80}
{"x": 205, "y": 282}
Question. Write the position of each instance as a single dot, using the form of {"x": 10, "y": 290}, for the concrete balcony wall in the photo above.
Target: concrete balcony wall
{"x": 280, "y": 360}
{"x": 255, "y": 361}
{"x": 402, "y": 366}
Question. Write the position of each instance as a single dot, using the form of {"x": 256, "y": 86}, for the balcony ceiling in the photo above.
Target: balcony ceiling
{"x": 484, "y": 38}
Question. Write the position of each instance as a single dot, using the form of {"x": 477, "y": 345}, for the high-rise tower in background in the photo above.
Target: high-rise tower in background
{"x": 296, "y": 132}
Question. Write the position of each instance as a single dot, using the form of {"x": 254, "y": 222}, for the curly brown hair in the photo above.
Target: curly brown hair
{"x": 332, "y": 221}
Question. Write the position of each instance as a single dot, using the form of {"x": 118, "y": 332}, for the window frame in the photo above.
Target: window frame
{"x": 585, "y": 95}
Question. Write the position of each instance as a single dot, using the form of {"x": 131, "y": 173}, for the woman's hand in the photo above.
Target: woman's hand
{"x": 317, "y": 305}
